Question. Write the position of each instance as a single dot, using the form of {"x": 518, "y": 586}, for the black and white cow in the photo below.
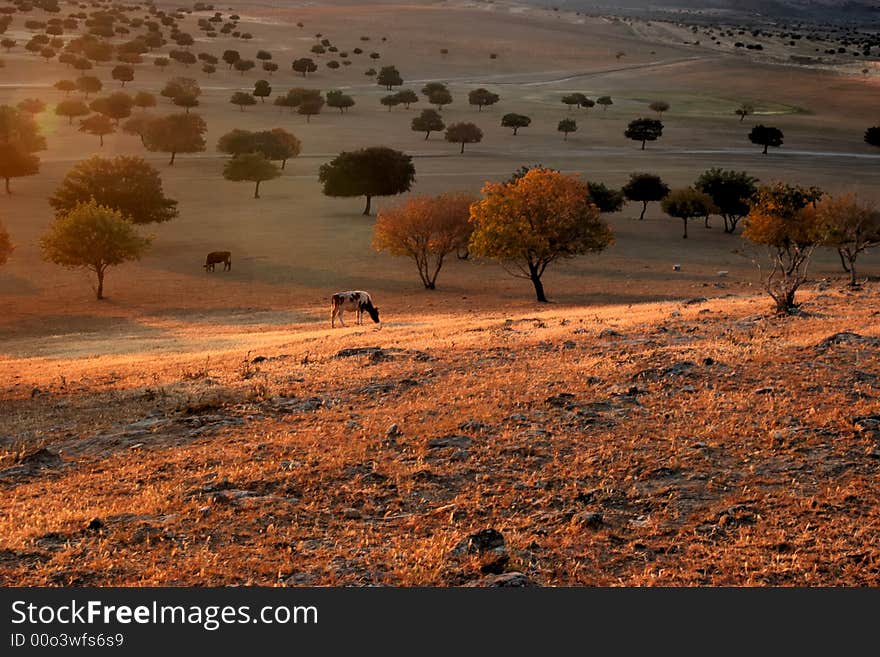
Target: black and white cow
{"x": 355, "y": 301}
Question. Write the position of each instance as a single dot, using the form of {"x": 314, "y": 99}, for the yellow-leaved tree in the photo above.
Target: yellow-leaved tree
{"x": 535, "y": 219}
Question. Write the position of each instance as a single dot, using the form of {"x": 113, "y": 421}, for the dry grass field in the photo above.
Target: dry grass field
{"x": 648, "y": 427}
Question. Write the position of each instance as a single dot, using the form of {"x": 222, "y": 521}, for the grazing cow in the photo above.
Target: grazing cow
{"x": 218, "y": 256}
{"x": 354, "y": 300}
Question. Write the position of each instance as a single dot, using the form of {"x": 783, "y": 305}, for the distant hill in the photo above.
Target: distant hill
{"x": 846, "y": 10}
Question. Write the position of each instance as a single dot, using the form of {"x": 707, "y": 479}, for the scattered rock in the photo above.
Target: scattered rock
{"x": 258, "y": 359}
{"x": 95, "y": 524}
{"x": 766, "y": 390}
{"x": 452, "y": 440}
{"x": 695, "y": 301}
{"x": 504, "y": 580}
{"x": 722, "y": 273}
{"x": 562, "y": 400}
{"x": 474, "y": 426}
{"x": 610, "y": 333}
{"x": 351, "y": 514}
{"x": 357, "y": 351}
{"x": 392, "y": 432}
{"x": 590, "y": 519}
{"x": 848, "y": 338}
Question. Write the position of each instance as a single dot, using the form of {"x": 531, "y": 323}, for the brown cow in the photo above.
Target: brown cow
{"x": 218, "y": 256}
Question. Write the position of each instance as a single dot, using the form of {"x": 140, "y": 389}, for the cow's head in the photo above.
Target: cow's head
{"x": 374, "y": 313}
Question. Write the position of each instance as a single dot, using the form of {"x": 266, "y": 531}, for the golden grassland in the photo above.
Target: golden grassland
{"x": 697, "y": 443}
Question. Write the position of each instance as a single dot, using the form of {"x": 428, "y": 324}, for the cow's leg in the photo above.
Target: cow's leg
{"x": 341, "y": 312}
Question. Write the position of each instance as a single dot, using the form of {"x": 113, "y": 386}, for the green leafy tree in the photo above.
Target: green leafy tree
{"x": 565, "y": 126}
{"x": 93, "y": 237}
{"x": 186, "y": 101}
{"x": 744, "y": 110}
{"x": 278, "y": 144}
{"x": 605, "y": 102}
{"x": 176, "y": 133}
{"x": 407, "y": 97}
{"x": 66, "y": 86}
{"x": 230, "y": 57}
{"x": 125, "y": 183}
{"x": 116, "y": 106}
{"x": 463, "y": 133}
{"x": 645, "y": 188}
{"x": 262, "y": 90}
{"x": 243, "y": 66}
{"x": 428, "y": 121}
{"x": 687, "y": 204}
{"x": 71, "y": 109}
{"x": 339, "y": 100}
{"x": 304, "y": 66}
{"x": 784, "y": 219}
{"x": 97, "y": 124}
{"x": 137, "y": 126}
{"x": 253, "y": 167}
{"x": 31, "y": 106}
{"x": 389, "y": 77}
{"x": 659, "y": 106}
{"x": 731, "y": 192}
{"x": 20, "y": 140}
{"x": 390, "y": 101}
{"x": 872, "y": 136}
{"x": 440, "y": 97}
{"x": 766, "y": 136}
{"x": 237, "y": 142}
{"x": 574, "y": 100}
{"x": 606, "y": 199}
{"x": 123, "y": 73}
{"x": 644, "y": 130}
{"x": 482, "y": 98}
{"x": 535, "y": 220}
{"x": 425, "y": 229}
{"x": 515, "y": 121}
{"x": 369, "y": 172}
{"x": 89, "y": 84}
{"x": 144, "y": 100}
{"x": 242, "y": 99}
{"x": 310, "y": 105}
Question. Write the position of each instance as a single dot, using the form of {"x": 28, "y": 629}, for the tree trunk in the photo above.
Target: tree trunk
{"x": 173, "y": 154}
{"x": 706, "y": 224}
{"x": 685, "y": 222}
{"x": 427, "y": 134}
{"x": 99, "y": 293}
{"x": 643, "y": 144}
{"x": 785, "y": 303}
{"x": 742, "y": 117}
{"x": 565, "y": 136}
{"x": 462, "y": 147}
{"x": 101, "y": 138}
{"x": 644, "y": 209}
{"x": 283, "y": 163}
{"x": 257, "y": 190}
{"x": 514, "y": 131}
{"x": 308, "y": 118}
{"x": 539, "y": 286}
{"x": 852, "y": 271}
{"x": 843, "y": 261}
{"x": 8, "y": 191}
{"x": 367, "y": 207}
{"x": 765, "y": 148}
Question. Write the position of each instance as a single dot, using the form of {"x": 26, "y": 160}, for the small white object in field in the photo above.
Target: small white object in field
{"x": 676, "y": 267}
{"x": 722, "y": 273}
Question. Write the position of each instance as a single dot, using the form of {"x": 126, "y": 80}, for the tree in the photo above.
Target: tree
{"x": 428, "y": 121}
{"x": 390, "y": 101}
{"x": 389, "y": 77}
{"x": 66, "y": 86}
{"x": 425, "y": 229}
{"x": 605, "y": 102}
{"x": 124, "y": 183}
{"x": 644, "y": 130}
{"x": 270, "y": 67}
{"x": 31, "y": 106}
{"x": 264, "y": 55}
{"x": 123, "y": 73}
{"x": 253, "y": 167}
{"x": 464, "y": 133}
{"x": 766, "y": 136}
{"x": 440, "y": 97}
{"x": 20, "y": 139}
{"x": 89, "y": 84}
{"x": 565, "y": 126}
{"x": 243, "y": 65}
{"x": 237, "y": 142}
{"x": 515, "y": 121}
{"x": 97, "y": 124}
{"x": 93, "y": 237}
{"x": 645, "y": 187}
{"x": 161, "y": 62}
{"x": 574, "y": 100}
{"x": 230, "y": 57}
{"x": 278, "y": 144}
{"x": 407, "y": 97}
{"x": 6, "y": 247}
{"x": 242, "y": 99}
{"x": 7, "y": 44}
{"x": 144, "y": 99}
{"x": 137, "y": 125}
{"x": 339, "y": 100}
{"x": 262, "y": 89}
{"x": 852, "y": 226}
{"x": 305, "y": 66}
{"x": 872, "y": 136}
{"x": 369, "y": 172}
{"x": 744, "y": 110}
{"x": 186, "y": 101}
{"x": 482, "y": 97}
{"x": 116, "y": 106}
{"x": 310, "y": 106}
{"x": 606, "y": 199}
{"x": 685, "y": 204}
{"x": 659, "y": 106}
{"x": 71, "y": 109}
{"x": 782, "y": 218}
{"x": 535, "y": 220}
{"x": 176, "y": 133}
{"x": 177, "y": 87}
{"x": 731, "y": 192}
